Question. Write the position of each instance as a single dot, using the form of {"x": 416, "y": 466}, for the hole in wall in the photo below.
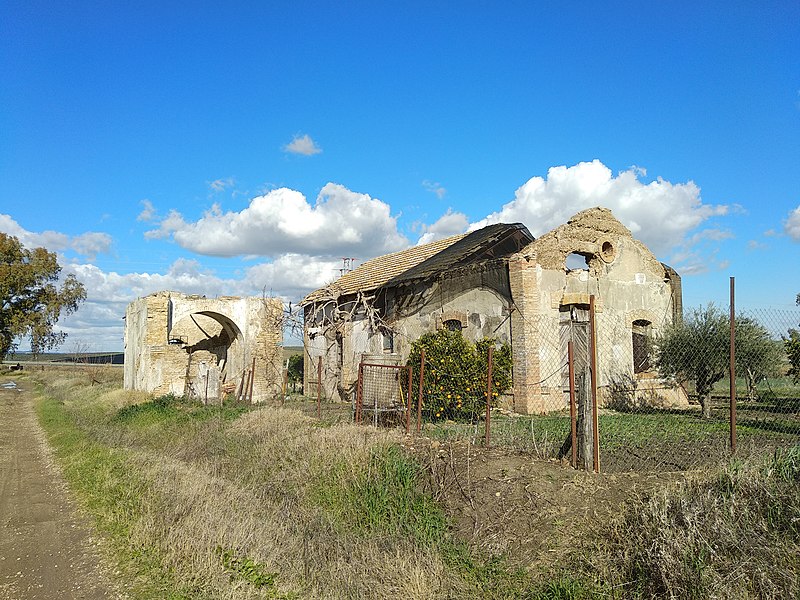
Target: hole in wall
{"x": 607, "y": 251}
{"x": 576, "y": 262}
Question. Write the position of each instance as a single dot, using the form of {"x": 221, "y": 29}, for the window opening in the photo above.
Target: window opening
{"x": 576, "y": 262}
{"x": 640, "y": 340}
{"x": 388, "y": 342}
{"x": 453, "y": 325}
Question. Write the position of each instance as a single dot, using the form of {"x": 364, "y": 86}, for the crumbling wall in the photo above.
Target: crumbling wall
{"x": 627, "y": 282}
{"x": 200, "y": 347}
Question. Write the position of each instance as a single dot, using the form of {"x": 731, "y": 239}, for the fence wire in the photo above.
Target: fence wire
{"x": 663, "y": 403}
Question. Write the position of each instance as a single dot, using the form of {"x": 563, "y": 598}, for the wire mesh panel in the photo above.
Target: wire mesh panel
{"x": 767, "y": 386}
{"x": 665, "y": 393}
{"x": 383, "y": 394}
{"x": 655, "y": 413}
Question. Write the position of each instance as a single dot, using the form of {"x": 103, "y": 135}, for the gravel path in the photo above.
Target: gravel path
{"x": 46, "y": 546}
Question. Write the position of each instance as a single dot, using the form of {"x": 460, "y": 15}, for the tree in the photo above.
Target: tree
{"x": 295, "y": 369}
{"x": 757, "y": 354}
{"x": 792, "y": 347}
{"x": 30, "y": 300}
{"x": 698, "y": 349}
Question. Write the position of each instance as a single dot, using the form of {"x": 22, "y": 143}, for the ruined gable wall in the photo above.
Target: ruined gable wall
{"x": 627, "y": 281}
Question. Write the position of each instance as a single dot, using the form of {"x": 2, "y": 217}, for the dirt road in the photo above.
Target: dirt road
{"x": 46, "y": 545}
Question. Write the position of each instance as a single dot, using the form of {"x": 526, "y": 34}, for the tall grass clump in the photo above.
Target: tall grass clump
{"x": 225, "y": 502}
{"x": 383, "y": 499}
{"x": 733, "y": 534}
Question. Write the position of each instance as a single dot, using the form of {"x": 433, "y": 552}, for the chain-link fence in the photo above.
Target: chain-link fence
{"x": 612, "y": 395}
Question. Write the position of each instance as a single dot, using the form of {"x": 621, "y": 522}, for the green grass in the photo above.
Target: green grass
{"x": 781, "y": 387}
{"x": 544, "y": 435}
{"x": 384, "y": 499}
{"x": 108, "y": 484}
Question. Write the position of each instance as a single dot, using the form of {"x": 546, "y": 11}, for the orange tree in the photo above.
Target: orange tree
{"x": 454, "y": 386}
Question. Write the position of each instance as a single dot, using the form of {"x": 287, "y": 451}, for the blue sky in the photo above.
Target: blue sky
{"x": 236, "y": 148}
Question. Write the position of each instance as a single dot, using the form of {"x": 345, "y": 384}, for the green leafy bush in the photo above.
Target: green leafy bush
{"x": 792, "y": 347}
{"x": 455, "y": 385}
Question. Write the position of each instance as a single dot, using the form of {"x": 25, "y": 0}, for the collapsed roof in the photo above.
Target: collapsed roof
{"x": 428, "y": 260}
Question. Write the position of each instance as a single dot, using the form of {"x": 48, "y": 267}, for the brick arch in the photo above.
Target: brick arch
{"x": 639, "y": 314}
{"x": 452, "y": 315}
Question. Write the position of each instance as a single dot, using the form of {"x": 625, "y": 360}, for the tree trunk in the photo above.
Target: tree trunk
{"x": 705, "y": 403}
{"x": 751, "y": 385}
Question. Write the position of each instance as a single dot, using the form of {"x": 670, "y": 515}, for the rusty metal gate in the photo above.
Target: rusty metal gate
{"x": 384, "y": 392}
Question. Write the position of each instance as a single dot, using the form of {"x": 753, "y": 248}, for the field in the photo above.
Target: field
{"x": 235, "y": 502}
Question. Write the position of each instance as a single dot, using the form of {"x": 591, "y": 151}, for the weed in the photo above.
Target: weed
{"x": 251, "y": 571}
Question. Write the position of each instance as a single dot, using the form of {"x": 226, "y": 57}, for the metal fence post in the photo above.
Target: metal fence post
{"x": 732, "y": 372}
{"x": 421, "y": 385}
{"x": 408, "y": 399}
{"x": 593, "y": 358}
{"x": 489, "y": 393}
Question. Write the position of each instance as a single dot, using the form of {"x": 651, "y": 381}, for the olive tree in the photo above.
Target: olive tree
{"x": 792, "y": 346}
{"x": 757, "y": 354}
{"x": 31, "y": 300}
{"x": 698, "y": 349}
{"x": 295, "y": 370}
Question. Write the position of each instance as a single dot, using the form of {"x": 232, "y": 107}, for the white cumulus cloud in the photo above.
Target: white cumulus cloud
{"x": 792, "y": 225}
{"x": 450, "y": 223}
{"x": 340, "y": 222}
{"x": 88, "y": 244}
{"x": 302, "y": 144}
{"x": 91, "y": 244}
{"x": 173, "y": 222}
{"x": 293, "y": 276}
{"x": 659, "y": 213}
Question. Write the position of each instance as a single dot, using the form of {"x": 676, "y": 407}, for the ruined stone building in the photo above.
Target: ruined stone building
{"x": 500, "y": 282}
{"x": 203, "y": 347}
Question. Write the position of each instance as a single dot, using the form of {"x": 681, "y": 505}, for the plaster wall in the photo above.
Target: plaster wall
{"x": 628, "y": 285}
{"x": 197, "y": 346}
{"x": 483, "y": 312}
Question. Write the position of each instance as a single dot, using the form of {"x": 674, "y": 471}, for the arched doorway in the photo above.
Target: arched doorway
{"x": 213, "y": 343}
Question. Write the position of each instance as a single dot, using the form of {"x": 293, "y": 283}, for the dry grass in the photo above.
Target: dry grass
{"x": 733, "y": 533}
{"x": 223, "y": 502}
{"x": 256, "y": 504}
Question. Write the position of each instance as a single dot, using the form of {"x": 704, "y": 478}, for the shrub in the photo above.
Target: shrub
{"x": 730, "y": 534}
{"x": 454, "y": 385}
